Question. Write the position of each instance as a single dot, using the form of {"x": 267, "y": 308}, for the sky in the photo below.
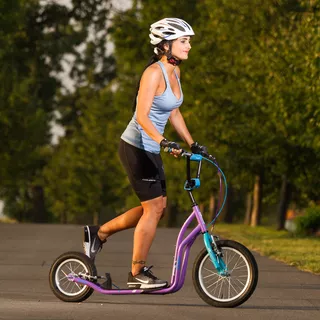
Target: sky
{"x": 56, "y": 130}
{"x": 118, "y": 4}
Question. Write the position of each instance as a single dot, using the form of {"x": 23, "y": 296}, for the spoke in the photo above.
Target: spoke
{"x": 233, "y": 286}
{"x": 76, "y": 268}
{"x": 215, "y": 283}
{"x": 70, "y": 267}
{"x": 227, "y": 254}
{"x": 239, "y": 267}
{"x": 219, "y": 295}
{"x": 216, "y": 287}
{"x": 69, "y": 285}
{"x": 236, "y": 284}
{"x": 210, "y": 281}
{"x": 77, "y": 284}
{"x": 241, "y": 282}
{"x": 64, "y": 282}
{"x": 235, "y": 265}
{"x": 210, "y": 275}
{"x": 210, "y": 271}
{"x": 65, "y": 275}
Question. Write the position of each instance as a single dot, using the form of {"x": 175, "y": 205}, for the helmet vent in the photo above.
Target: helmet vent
{"x": 176, "y": 26}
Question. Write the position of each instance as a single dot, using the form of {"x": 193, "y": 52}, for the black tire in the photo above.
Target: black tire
{"x": 227, "y": 291}
{"x": 61, "y": 286}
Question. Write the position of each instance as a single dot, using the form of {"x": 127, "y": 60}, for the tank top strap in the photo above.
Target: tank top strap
{"x": 164, "y": 71}
{"x": 175, "y": 72}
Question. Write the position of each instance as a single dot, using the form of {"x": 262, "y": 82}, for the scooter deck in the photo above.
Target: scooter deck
{"x": 102, "y": 286}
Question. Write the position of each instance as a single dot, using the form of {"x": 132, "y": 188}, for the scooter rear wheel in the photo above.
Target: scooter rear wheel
{"x": 66, "y": 265}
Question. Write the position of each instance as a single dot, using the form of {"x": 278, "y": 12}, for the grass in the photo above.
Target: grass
{"x": 301, "y": 252}
{"x": 7, "y": 220}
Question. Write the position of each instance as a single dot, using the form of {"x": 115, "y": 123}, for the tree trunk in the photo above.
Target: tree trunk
{"x": 201, "y": 208}
{"x": 228, "y": 212}
{"x": 285, "y": 195}
{"x": 95, "y": 219}
{"x": 171, "y": 212}
{"x": 63, "y": 217}
{"x": 247, "y": 217}
{"x": 39, "y": 212}
{"x": 212, "y": 207}
{"x": 257, "y": 197}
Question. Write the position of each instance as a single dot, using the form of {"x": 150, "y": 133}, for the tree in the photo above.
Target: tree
{"x": 27, "y": 98}
{"x": 34, "y": 40}
{"x": 83, "y": 177}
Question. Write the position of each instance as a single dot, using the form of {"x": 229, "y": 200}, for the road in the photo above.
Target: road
{"x": 28, "y": 250}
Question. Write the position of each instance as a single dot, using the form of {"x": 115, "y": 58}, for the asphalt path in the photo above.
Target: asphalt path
{"x": 27, "y": 252}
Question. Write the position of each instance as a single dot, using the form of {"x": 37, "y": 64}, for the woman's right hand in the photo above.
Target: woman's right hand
{"x": 171, "y": 147}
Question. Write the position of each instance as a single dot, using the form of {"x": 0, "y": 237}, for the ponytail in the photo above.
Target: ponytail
{"x": 158, "y": 53}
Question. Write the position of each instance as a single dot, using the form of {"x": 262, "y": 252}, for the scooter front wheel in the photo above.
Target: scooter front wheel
{"x": 63, "y": 268}
{"x": 230, "y": 289}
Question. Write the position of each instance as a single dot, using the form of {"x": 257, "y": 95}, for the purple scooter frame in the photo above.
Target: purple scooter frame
{"x": 234, "y": 281}
{"x": 180, "y": 261}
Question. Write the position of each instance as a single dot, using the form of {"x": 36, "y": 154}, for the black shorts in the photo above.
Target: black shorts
{"x": 144, "y": 170}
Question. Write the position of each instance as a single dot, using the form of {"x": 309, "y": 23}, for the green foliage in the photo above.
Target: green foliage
{"x": 309, "y": 223}
{"x": 251, "y": 94}
{"x": 83, "y": 177}
{"x": 83, "y": 180}
{"x": 34, "y": 41}
{"x": 243, "y": 94}
{"x": 27, "y": 97}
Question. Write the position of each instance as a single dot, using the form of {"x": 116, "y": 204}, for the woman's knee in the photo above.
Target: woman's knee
{"x": 163, "y": 213}
{"x": 164, "y": 203}
{"x": 154, "y": 207}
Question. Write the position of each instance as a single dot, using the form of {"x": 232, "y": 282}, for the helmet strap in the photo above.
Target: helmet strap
{"x": 171, "y": 59}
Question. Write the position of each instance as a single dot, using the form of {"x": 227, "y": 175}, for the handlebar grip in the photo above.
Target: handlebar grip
{"x": 189, "y": 154}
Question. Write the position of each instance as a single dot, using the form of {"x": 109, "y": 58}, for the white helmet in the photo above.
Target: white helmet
{"x": 169, "y": 29}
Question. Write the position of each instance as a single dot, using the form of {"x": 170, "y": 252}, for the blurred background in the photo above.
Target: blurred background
{"x": 69, "y": 71}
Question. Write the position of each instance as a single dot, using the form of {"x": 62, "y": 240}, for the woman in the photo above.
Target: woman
{"x": 158, "y": 99}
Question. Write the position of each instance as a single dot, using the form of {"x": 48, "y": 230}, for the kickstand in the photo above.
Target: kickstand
{"x": 108, "y": 283}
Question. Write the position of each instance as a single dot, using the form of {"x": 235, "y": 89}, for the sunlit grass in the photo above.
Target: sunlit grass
{"x": 304, "y": 253}
{"x": 7, "y": 220}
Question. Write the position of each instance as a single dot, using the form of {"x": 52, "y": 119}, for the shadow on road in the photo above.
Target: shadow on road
{"x": 249, "y": 307}
{"x": 292, "y": 308}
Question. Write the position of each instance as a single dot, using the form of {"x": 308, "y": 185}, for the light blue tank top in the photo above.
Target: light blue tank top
{"x": 161, "y": 108}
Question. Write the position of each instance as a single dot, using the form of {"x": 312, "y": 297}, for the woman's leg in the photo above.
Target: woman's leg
{"x": 145, "y": 231}
{"x": 127, "y": 220}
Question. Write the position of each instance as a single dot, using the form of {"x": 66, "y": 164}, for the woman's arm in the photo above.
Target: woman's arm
{"x": 177, "y": 121}
{"x": 148, "y": 86}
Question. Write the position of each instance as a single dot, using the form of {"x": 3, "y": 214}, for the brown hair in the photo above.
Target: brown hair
{"x": 154, "y": 58}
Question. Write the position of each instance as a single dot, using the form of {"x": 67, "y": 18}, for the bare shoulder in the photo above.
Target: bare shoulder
{"x": 152, "y": 73}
